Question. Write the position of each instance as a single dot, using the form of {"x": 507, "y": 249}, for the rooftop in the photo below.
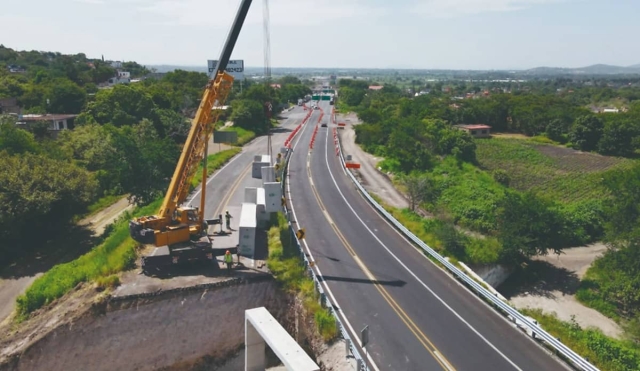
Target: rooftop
{"x": 474, "y": 127}
{"x": 47, "y": 117}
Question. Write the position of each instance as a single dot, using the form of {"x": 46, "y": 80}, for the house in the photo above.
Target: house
{"x": 276, "y": 86}
{"x": 610, "y": 110}
{"x": 375, "y": 87}
{"x": 56, "y": 122}
{"x": 9, "y": 105}
{"x": 476, "y": 131}
{"x": 121, "y": 77}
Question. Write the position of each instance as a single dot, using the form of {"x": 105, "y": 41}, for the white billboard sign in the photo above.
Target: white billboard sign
{"x": 235, "y": 68}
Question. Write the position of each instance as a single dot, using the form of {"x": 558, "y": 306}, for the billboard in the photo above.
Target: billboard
{"x": 235, "y": 68}
{"x": 228, "y": 137}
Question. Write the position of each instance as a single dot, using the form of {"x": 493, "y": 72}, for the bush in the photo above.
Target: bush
{"x": 108, "y": 282}
{"x": 605, "y": 353}
{"x": 285, "y": 264}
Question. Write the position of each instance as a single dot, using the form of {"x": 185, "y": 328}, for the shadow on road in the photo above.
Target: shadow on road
{"x": 280, "y": 130}
{"x": 395, "y": 283}
{"x": 540, "y": 278}
{"x": 40, "y": 255}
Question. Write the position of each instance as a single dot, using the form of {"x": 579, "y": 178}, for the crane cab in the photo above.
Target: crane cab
{"x": 183, "y": 224}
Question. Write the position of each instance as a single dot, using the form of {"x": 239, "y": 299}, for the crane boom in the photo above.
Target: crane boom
{"x": 175, "y": 224}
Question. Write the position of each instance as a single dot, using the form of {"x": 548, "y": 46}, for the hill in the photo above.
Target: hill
{"x": 596, "y": 69}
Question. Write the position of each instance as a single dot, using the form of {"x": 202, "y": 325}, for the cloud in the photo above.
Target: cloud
{"x": 220, "y": 13}
{"x": 452, "y": 8}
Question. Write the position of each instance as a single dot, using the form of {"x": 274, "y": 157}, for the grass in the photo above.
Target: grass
{"x": 214, "y": 162}
{"x": 432, "y": 232}
{"x": 244, "y": 135}
{"x": 604, "y": 352}
{"x": 115, "y": 254}
{"x": 559, "y": 173}
{"x": 286, "y": 265}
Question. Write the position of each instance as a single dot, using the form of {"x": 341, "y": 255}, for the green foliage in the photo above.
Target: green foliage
{"x": 605, "y": 353}
{"x": 115, "y": 254}
{"x": 32, "y": 189}
{"x": 586, "y": 132}
{"x": 528, "y": 226}
{"x": 618, "y": 138}
{"x": 501, "y": 177}
{"x": 122, "y": 105}
{"x": 244, "y": 136}
{"x": 109, "y": 282}
{"x": 556, "y": 130}
{"x": 624, "y": 205}
{"x": 285, "y": 264}
{"x": 558, "y": 173}
{"x": 249, "y": 114}
{"x": 16, "y": 141}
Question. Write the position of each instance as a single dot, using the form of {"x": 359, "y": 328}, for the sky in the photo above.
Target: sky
{"x": 429, "y": 34}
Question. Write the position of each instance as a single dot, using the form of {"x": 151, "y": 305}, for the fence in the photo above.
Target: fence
{"x": 323, "y": 297}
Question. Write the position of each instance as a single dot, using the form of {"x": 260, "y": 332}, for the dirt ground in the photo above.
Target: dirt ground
{"x": 372, "y": 179}
{"x": 550, "y": 283}
{"x": 101, "y": 219}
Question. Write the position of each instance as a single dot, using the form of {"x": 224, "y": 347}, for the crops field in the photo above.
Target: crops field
{"x": 561, "y": 173}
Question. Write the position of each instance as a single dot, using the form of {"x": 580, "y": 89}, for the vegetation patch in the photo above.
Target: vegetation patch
{"x": 447, "y": 240}
{"x": 287, "y": 267}
{"x": 556, "y": 172}
{"x": 605, "y": 353}
{"x": 115, "y": 254}
{"x": 244, "y": 136}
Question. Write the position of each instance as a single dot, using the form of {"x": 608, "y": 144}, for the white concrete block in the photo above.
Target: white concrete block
{"x": 247, "y": 230}
{"x": 261, "y": 210}
{"x": 251, "y": 195}
{"x": 273, "y": 197}
{"x": 268, "y": 174}
{"x": 260, "y": 328}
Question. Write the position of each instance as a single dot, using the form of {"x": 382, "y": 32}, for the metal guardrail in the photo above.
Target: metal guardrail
{"x": 560, "y": 348}
{"x": 324, "y": 299}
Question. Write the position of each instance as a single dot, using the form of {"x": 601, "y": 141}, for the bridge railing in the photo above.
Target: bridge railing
{"x": 560, "y": 348}
{"x": 324, "y": 299}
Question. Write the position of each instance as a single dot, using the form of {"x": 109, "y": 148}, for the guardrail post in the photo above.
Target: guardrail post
{"x": 347, "y": 343}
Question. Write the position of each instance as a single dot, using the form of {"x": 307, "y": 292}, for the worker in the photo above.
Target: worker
{"x": 228, "y": 259}
{"x": 228, "y": 218}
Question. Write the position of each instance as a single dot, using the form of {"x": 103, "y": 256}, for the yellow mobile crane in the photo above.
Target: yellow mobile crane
{"x": 176, "y": 230}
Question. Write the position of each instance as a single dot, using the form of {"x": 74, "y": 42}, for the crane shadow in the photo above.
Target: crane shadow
{"x": 393, "y": 283}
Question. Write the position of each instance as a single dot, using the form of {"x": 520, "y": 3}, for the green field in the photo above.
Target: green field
{"x": 557, "y": 172}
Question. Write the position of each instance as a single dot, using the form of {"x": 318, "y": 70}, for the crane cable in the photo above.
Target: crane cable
{"x": 267, "y": 71}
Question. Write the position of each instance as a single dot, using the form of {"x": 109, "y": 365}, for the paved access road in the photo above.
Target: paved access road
{"x": 231, "y": 179}
{"x": 419, "y": 317}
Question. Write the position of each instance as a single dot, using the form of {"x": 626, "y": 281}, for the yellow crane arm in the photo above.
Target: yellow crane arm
{"x": 216, "y": 92}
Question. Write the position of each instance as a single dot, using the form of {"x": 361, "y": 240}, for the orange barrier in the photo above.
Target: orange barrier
{"x": 352, "y": 165}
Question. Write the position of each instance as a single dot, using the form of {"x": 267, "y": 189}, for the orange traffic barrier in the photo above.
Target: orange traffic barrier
{"x": 352, "y": 165}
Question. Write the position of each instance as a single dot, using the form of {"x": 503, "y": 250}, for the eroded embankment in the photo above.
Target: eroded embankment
{"x": 161, "y": 331}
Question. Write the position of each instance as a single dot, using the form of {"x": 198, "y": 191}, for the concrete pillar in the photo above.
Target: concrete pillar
{"x": 254, "y": 356}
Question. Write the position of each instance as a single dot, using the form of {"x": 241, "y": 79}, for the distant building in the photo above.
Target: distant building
{"x": 610, "y": 110}
{"x": 9, "y": 105}
{"x": 276, "y": 86}
{"x": 121, "y": 77}
{"x": 56, "y": 122}
{"x": 15, "y": 68}
{"x": 375, "y": 87}
{"x": 476, "y": 131}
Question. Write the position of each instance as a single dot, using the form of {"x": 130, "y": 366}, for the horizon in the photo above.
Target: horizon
{"x": 410, "y": 34}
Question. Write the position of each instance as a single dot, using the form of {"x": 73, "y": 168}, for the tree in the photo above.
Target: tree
{"x": 528, "y": 226}
{"x": 623, "y": 209}
{"x": 248, "y": 114}
{"x": 502, "y": 177}
{"x": 122, "y": 105}
{"x": 618, "y": 138}
{"x": 15, "y": 141}
{"x": 417, "y": 186}
{"x": 586, "y": 132}
{"x": 555, "y": 130}
{"x": 66, "y": 97}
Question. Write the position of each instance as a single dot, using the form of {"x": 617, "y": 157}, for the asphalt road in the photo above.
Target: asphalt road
{"x": 226, "y": 186}
{"x": 419, "y": 317}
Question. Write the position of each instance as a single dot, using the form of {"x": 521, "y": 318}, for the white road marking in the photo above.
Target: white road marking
{"x": 411, "y": 272}
{"x": 354, "y": 334}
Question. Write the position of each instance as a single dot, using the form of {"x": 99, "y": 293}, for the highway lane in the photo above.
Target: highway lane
{"x": 442, "y": 326}
{"x": 232, "y": 177}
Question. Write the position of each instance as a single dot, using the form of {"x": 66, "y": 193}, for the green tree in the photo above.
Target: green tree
{"x": 528, "y": 226}
{"x": 16, "y": 141}
{"x": 249, "y": 114}
{"x": 586, "y": 132}
{"x": 66, "y": 97}
{"x": 623, "y": 209}
{"x": 618, "y": 138}
{"x": 555, "y": 130}
{"x": 122, "y": 105}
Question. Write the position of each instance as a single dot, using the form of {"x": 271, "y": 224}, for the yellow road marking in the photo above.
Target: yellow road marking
{"x": 415, "y": 330}
{"x": 234, "y": 187}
